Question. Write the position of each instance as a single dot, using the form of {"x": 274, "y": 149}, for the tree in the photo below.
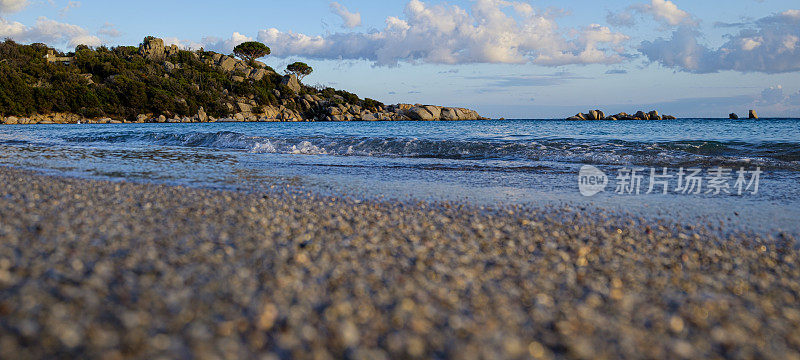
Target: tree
{"x": 300, "y": 69}
{"x": 251, "y": 51}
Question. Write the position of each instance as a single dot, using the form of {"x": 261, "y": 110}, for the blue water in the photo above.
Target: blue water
{"x": 530, "y": 162}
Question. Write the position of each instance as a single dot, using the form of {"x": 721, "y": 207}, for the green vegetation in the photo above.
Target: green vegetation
{"x": 251, "y": 51}
{"x": 299, "y": 69}
{"x": 120, "y": 83}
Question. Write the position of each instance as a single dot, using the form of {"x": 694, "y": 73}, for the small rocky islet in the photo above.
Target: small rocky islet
{"x": 640, "y": 115}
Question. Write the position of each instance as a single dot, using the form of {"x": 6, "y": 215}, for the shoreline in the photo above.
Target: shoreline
{"x": 93, "y": 268}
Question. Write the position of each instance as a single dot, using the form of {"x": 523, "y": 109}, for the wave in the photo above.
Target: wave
{"x": 772, "y": 155}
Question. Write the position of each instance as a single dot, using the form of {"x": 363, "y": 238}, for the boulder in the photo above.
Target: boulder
{"x": 141, "y": 118}
{"x": 600, "y": 115}
{"x": 753, "y": 115}
{"x": 368, "y": 117}
{"x": 237, "y": 78}
{"x": 152, "y": 49}
{"x": 733, "y": 116}
{"x": 244, "y": 107}
{"x": 640, "y": 115}
{"x": 227, "y": 63}
{"x": 259, "y": 74}
{"x": 449, "y": 114}
{"x": 11, "y": 120}
{"x": 669, "y": 117}
{"x": 419, "y": 113}
{"x": 201, "y": 115}
{"x": 653, "y": 115}
{"x": 593, "y": 115}
{"x": 581, "y": 116}
{"x": 435, "y": 111}
{"x": 162, "y": 119}
{"x": 292, "y": 83}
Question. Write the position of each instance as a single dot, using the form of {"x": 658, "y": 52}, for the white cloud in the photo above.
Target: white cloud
{"x": 494, "y": 31}
{"x": 770, "y": 45}
{"x": 10, "y": 6}
{"x": 48, "y": 31}
{"x": 183, "y": 44}
{"x": 351, "y": 20}
{"x": 664, "y": 11}
{"x": 224, "y": 46}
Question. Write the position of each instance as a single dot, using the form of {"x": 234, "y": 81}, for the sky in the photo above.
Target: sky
{"x": 513, "y": 59}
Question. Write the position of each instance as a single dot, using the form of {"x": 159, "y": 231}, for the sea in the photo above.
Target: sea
{"x": 735, "y": 175}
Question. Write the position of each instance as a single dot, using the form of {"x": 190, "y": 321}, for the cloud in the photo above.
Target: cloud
{"x": 664, "y": 11}
{"x": 504, "y": 81}
{"x": 771, "y": 46}
{"x": 70, "y": 5}
{"x": 48, "y": 31}
{"x": 772, "y": 95}
{"x": 224, "y": 46}
{"x": 616, "y": 72}
{"x": 11, "y": 6}
{"x": 351, "y": 20}
{"x": 494, "y": 31}
{"x": 109, "y": 30}
{"x": 183, "y": 44}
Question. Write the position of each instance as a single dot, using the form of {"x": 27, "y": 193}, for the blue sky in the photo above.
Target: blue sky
{"x": 516, "y": 59}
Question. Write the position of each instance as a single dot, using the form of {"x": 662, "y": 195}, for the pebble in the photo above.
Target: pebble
{"x": 95, "y": 269}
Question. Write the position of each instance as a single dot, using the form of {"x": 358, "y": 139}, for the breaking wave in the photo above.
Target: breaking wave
{"x": 769, "y": 155}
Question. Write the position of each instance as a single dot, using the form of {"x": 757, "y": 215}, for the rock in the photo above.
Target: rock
{"x": 612, "y": 118}
{"x": 227, "y": 63}
{"x": 11, "y": 120}
{"x": 169, "y": 67}
{"x": 141, "y": 118}
{"x": 276, "y": 93}
{"x": 419, "y": 113}
{"x": 237, "y": 78}
{"x": 259, "y": 74}
{"x": 593, "y": 115}
{"x": 334, "y": 110}
{"x": 152, "y": 49}
{"x": 201, "y": 115}
{"x": 733, "y": 116}
{"x": 640, "y": 115}
{"x": 449, "y": 114}
{"x": 581, "y": 116}
{"x": 600, "y": 115}
{"x": 162, "y": 119}
{"x": 574, "y": 118}
{"x": 244, "y": 107}
{"x": 753, "y": 115}
{"x": 435, "y": 111}
{"x": 653, "y": 115}
{"x": 669, "y": 117}
{"x": 369, "y": 117}
{"x": 291, "y": 82}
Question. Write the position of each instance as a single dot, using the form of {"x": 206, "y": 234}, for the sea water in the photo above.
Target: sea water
{"x": 522, "y": 162}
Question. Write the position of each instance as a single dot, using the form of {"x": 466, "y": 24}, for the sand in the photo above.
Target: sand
{"x": 111, "y": 270}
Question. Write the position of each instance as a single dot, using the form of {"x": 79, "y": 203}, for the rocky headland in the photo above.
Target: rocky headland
{"x": 211, "y": 87}
{"x": 640, "y": 115}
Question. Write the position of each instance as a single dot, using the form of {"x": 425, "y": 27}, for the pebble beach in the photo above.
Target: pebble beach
{"x": 119, "y": 270}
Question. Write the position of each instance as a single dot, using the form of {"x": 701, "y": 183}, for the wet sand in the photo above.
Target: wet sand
{"x": 96, "y": 269}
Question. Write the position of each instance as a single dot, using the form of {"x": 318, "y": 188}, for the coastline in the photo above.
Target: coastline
{"x": 117, "y": 270}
